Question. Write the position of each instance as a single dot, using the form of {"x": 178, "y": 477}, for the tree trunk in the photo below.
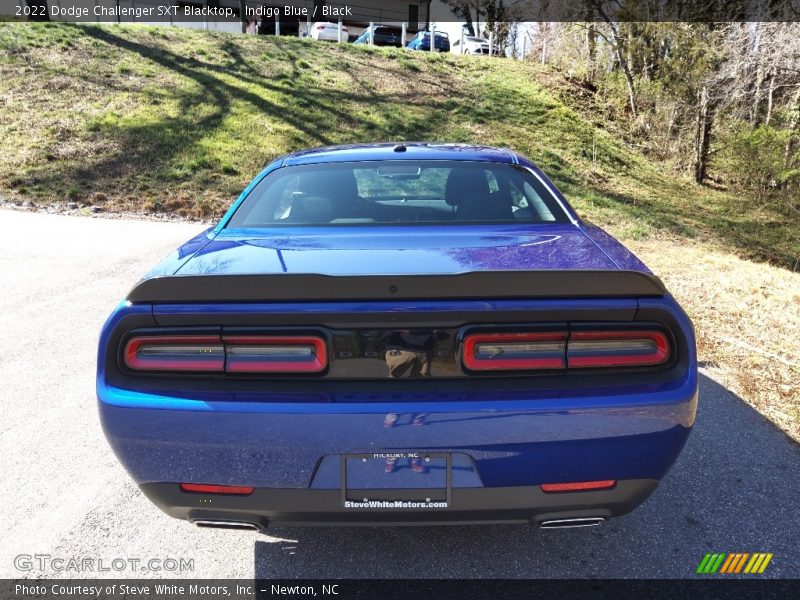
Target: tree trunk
{"x": 544, "y": 31}
{"x": 702, "y": 136}
{"x": 618, "y": 43}
{"x": 591, "y": 43}
{"x": 770, "y": 92}
{"x": 628, "y": 79}
{"x": 619, "y": 48}
{"x": 755, "y": 108}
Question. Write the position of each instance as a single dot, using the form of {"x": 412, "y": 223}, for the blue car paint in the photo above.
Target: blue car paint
{"x": 430, "y": 249}
{"x": 515, "y": 438}
{"x": 422, "y": 41}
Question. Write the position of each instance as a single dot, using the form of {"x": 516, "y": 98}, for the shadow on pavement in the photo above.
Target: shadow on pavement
{"x": 735, "y": 488}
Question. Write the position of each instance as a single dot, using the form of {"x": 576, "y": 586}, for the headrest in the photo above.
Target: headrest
{"x": 463, "y": 181}
{"x": 485, "y": 207}
{"x": 311, "y": 210}
{"x": 332, "y": 183}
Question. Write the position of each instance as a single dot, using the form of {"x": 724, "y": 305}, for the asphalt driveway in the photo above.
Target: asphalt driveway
{"x": 736, "y": 487}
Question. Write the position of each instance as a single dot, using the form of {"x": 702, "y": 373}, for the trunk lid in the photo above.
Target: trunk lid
{"x": 399, "y": 251}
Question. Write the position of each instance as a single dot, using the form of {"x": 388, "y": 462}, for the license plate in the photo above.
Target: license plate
{"x": 399, "y": 480}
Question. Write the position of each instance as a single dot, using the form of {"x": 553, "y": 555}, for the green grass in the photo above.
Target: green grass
{"x": 155, "y": 118}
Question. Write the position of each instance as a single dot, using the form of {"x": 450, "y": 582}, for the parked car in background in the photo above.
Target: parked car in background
{"x": 472, "y": 45}
{"x": 422, "y": 41}
{"x": 328, "y": 32}
{"x": 286, "y": 28}
{"x": 399, "y": 333}
{"x": 382, "y": 35}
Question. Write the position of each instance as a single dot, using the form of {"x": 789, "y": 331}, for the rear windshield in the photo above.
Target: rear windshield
{"x": 398, "y": 192}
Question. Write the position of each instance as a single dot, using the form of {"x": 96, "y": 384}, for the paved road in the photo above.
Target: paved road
{"x": 735, "y": 488}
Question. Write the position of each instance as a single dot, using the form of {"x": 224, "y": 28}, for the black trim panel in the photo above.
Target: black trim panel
{"x": 524, "y": 504}
{"x": 477, "y": 285}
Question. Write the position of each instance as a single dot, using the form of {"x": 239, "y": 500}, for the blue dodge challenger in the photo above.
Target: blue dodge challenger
{"x": 398, "y": 334}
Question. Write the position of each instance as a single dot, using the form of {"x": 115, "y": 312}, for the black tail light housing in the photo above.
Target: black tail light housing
{"x": 278, "y": 354}
{"x": 556, "y": 350}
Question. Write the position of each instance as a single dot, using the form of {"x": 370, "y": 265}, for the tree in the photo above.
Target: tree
{"x": 618, "y": 42}
{"x": 497, "y": 17}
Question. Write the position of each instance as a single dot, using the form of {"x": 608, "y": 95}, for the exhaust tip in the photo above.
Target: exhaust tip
{"x": 572, "y": 522}
{"x": 241, "y": 525}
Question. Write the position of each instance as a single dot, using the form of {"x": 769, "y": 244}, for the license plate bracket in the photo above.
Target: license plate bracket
{"x": 397, "y": 477}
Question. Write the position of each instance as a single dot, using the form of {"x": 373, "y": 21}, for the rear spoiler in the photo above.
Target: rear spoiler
{"x": 283, "y": 287}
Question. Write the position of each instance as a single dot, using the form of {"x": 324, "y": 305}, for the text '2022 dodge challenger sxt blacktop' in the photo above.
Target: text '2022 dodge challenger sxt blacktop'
{"x": 410, "y": 333}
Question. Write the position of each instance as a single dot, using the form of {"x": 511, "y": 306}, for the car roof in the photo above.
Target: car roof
{"x": 402, "y": 151}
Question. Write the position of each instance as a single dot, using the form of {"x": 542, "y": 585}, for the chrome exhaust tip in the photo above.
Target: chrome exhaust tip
{"x": 242, "y": 525}
{"x": 573, "y": 522}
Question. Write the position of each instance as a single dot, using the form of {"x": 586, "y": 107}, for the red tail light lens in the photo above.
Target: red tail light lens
{"x": 234, "y": 354}
{"x": 275, "y": 354}
{"x": 578, "y": 486}
{"x": 514, "y": 351}
{"x": 562, "y": 350}
{"x": 203, "y": 488}
{"x": 616, "y": 349}
{"x": 175, "y": 353}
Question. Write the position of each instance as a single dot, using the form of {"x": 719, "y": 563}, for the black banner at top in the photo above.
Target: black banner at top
{"x": 397, "y": 11}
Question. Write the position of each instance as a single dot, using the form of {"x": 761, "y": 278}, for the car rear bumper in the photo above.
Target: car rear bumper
{"x": 524, "y": 504}
{"x": 504, "y": 448}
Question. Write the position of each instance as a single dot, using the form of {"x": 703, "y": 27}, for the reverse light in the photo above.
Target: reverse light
{"x": 204, "y": 488}
{"x": 616, "y": 349}
{"x": 514, "y": 351}
{"x": 578, "y": 486}
{"x": 275, "y": 354}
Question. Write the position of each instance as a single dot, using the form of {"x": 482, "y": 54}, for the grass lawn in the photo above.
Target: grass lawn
{"x": 161, "y": 119}
{"x": 155, "y": 119}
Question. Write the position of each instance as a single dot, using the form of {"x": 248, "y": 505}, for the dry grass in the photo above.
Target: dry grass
{"x": 166, "y": 121}
{"x": 747, "y": 317}
{"x": 170, "y": 121}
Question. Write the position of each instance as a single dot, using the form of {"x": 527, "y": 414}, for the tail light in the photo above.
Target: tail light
{"x": 526, "y": 351}
{"x": 275, "y": 354}
{"x": 508, "y": 351}
{"x": 616, "y": 349}
{"x": 578, "y": 486}
{"x": 234, "y": 354}
{"x": 175, "y": 353}
{"x": 204, "y": 488}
